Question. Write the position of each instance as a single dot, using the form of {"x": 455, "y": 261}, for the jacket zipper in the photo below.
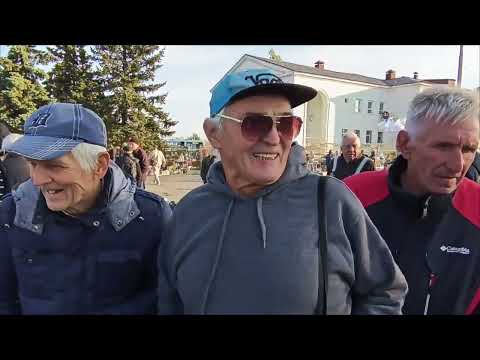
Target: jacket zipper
{"x": 425, "y": 208}
{"x": 427, "y": 301}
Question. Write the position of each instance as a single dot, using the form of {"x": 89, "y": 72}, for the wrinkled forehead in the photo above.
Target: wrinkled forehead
{"x": 466, "y": 132}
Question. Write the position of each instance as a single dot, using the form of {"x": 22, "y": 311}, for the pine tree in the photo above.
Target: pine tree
{"x": 133, "y": 105}
{"x": 72, "y": 78}
{"x": 21, "y": 89}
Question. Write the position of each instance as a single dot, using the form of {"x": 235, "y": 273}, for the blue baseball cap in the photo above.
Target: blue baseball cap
{"x": 55, "y": 129}
{"x": 256, "y": 82}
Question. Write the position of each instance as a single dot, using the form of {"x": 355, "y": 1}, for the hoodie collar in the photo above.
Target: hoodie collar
{"x": 116, "y": 200}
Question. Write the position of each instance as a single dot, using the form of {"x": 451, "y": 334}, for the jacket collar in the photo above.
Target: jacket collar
{"x": 418, "y": 206}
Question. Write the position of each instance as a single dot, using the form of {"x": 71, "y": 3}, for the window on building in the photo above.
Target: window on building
{"x": 368, "y": 137}
{"x": 357, "y": 132}
{"x": 370, "y": 107}
{"x": 357, "y": 105}
{"x": 380, "y": 138}
{"x": 344, "y": 131}
{"x": 380, "y": 108}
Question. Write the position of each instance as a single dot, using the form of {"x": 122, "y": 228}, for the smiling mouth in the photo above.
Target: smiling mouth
{"x": 53, "y": 191}
{"x": 265, "y": 156}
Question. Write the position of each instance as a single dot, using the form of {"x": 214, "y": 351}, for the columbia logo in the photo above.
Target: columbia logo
{"x": 451, "y": 249}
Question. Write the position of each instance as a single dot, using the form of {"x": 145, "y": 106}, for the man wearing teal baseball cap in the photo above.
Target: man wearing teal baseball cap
{"x": 271, "y": 237}
{"x": 78, "y": 237}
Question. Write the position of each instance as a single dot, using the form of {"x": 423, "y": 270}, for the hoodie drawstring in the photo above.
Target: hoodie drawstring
{"x": 217, "y": 257}
{"x": 262, "y": 221}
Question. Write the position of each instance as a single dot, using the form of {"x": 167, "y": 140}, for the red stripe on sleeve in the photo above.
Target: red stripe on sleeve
{"x": 473, "y": 305}
{"x": 370, "y": 186}
{"x": 467, "y": 201}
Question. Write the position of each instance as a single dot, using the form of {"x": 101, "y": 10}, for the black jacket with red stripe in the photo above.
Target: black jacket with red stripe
{"x": 435, "y": 239}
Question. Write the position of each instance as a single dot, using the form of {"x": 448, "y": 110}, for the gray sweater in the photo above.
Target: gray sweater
{"x": 227, "y": 254}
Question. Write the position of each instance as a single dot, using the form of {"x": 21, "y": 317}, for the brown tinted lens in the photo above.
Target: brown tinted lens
{"x": 289, "y": 126}
{"x": 255, "y": 127}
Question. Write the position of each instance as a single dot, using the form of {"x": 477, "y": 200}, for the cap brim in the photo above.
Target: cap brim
{"x": 42, "y": 147}
{"x": 295, "y": 93}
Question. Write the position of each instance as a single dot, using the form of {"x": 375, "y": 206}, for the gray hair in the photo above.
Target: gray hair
{"x": 350, "y": 135}
{"x": 87, "y": 155}
{"x": 441, "y": 106}
{"x": 217, "y": 120}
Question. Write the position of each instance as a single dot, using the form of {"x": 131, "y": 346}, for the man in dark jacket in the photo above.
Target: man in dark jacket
{"x": 15, "y": 166}
{"x": 130, "y": 165}
{"x": 350, "y": 161}
{"x": 207, "y": 161}
{"x": 424, "y": 207}
{"x": 142, "y": 156}
{"x": 253, "y": 248}
{"x": 78, "y": 238}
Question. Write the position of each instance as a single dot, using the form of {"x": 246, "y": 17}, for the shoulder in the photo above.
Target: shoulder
{"x": 370, "y": 187}
{"x": 150, "y": 202}
{"x": 466, "y": 200}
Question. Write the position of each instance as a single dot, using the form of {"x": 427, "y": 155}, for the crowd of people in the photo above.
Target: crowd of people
{"x": 82, "y": 235}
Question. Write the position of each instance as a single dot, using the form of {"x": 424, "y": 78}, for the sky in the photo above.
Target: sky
{"x": 192, "y": 71}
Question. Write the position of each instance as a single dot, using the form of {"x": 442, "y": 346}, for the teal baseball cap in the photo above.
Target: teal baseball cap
{"x": 251, "y": 82}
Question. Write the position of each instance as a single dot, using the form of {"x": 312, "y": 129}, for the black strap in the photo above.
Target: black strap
{"x": 322, "y": 249}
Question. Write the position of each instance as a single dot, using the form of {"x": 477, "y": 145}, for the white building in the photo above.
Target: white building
{"x": 345, "y": 102}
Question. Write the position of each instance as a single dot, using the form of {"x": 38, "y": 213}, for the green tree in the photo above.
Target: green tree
{"x": 21, "y": 89}
{"x": 72, "y": 78}
{"x": 133, "y": 106}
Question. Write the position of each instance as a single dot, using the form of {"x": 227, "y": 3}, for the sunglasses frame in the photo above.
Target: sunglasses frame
{"x": 271, "y": 117}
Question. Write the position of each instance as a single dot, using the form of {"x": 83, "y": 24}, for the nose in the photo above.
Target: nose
{"x": 272, "y": 137}
{"x": 39, "y": 176}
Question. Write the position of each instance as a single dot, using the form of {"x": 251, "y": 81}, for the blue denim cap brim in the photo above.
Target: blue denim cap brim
{"x": 42, "y": 147}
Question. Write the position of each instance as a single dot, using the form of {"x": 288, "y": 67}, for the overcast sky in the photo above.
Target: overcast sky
{"x": 191, "y": 71}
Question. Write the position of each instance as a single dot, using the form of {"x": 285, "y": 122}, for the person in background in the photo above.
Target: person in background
{"x": 16, "y": 169}
{"x": 142, "y": 156}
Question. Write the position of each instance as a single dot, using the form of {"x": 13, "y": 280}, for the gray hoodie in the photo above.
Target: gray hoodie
{"x": 228, "y": 254}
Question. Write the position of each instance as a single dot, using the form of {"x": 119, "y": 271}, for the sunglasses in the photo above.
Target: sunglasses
{"x": 255, "y": 127}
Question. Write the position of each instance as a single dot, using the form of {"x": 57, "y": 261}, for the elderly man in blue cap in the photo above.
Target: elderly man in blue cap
{"x": 78, "y": 237}
{"x": 271, "y": 237}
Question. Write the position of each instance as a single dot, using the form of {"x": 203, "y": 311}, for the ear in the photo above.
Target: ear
{"x": 212, "y": 132}
{"x": 403, "y": 144}
{"x": 102, "y": 165}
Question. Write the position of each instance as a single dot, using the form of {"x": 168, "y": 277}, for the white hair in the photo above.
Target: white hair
{"x": 350, "y": 135}
{"x": 442, "y": 106}
{"x": 9, "y": 140}
{"x": 217, "y": 120}
{"x": 87, "y": 155}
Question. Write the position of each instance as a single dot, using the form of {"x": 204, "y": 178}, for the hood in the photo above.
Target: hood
{"x": 117, "y": 201}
